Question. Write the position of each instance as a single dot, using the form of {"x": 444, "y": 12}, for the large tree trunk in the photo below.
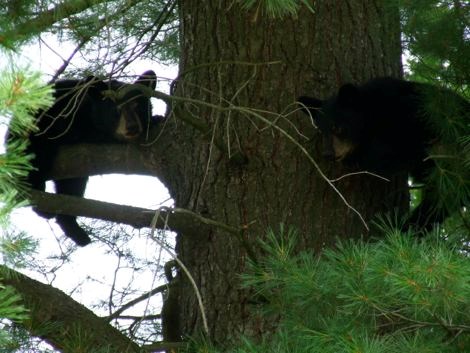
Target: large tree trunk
{"x": 250, "y": 169}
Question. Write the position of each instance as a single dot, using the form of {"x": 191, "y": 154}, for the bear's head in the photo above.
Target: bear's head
{"x": 121, "y": 109}
{"x": 340, "y": 119}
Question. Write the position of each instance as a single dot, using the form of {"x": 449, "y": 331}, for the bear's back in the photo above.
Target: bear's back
{"x": 69, "y": 119}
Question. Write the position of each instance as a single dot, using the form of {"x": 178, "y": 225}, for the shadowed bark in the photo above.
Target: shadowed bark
{"x": 231, "y": 57}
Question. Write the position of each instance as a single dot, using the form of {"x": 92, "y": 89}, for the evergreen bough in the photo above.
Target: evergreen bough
{"x": 398, "y": 295}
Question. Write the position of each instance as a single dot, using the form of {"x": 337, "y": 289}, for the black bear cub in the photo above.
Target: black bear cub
{"x": 388, "y": 125}
{"x": 85, "y": 111}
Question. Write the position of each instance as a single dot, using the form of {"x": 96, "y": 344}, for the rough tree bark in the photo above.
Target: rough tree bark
{"x": 232, "y": 59}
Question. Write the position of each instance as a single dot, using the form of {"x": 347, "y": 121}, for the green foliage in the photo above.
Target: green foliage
{"x": 436, "y": 34}
{"x": 21, "y": 341}
{"x": 11, "y": 14}
{"x": 436, "y": 39}
{"x": 114, "y": 39}
{"x": 276, "y": 8}
{"x": 395, "y": 295}
{"x": 10, "y": 306}
{"x": 109, "y": 34}
{"x": 449, "y": 115}
{"x": 11, "y": 309}
{"x": 21, "y": 94}
{"x": 16, "y": 248}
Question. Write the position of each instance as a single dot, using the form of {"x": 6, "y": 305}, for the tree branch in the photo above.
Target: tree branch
{"x": 95, "y": 159}
{"x": 44, "y": 20}
{"x": 137, "y": 300}
{"x": 63, "y": 322}
{"x": 198, "y": 124}
{"x": 175, "y": 219}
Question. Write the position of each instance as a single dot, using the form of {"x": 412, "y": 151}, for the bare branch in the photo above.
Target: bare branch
{"x": 67, "y": 61}
{"x": 145, "y": 296}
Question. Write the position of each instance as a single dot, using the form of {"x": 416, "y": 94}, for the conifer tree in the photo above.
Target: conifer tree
{"x": 238, "y": 159}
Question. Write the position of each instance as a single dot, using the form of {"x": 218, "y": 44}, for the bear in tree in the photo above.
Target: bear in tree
{"x": 90, "y": 110}
{"x": 388, "y": 125}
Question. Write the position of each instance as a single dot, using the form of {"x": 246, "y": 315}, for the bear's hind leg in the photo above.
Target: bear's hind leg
{"x": 73, "y": 187}
{"x": 38, "y": 183}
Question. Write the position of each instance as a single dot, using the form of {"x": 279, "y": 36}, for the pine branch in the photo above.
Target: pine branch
{"x": 44, "y": 20}
{"x": 63, "y": 322}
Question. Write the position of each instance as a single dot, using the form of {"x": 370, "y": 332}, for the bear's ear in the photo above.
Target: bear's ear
{"x": 348, "y": 95}
{"x": 310, "y": 105}
{"x": 148, "y": 78}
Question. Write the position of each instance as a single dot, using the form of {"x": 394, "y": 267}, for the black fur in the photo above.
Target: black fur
{"x": 387, "y": 126}
{"x": 85, "y": 111}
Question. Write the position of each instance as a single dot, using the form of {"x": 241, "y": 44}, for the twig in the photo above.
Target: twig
{"x": 257, "y": 114}
{"x": 131, "y": 303}
{"x": 182, "y": 266}
{"x": 359, "y": 173}
{"x": 66, "y": 62}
